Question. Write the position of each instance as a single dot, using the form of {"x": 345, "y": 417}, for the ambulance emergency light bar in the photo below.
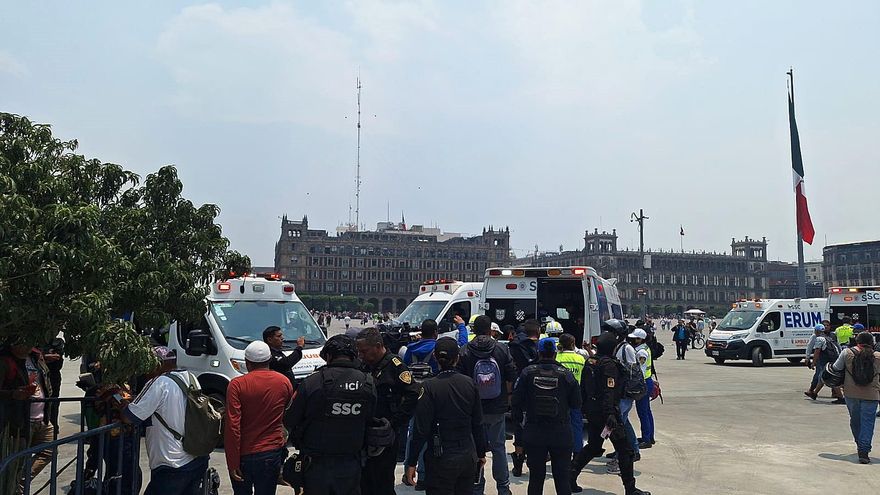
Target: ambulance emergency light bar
{"x": 531, "y": 272}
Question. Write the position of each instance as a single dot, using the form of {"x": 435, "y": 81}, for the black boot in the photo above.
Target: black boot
{"x": 632, "y": 490}
{"x": 577, "y": 465}
{"x": 518, "y": 460}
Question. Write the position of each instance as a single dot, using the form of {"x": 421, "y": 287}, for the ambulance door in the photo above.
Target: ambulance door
{"x": 770, "y": 329}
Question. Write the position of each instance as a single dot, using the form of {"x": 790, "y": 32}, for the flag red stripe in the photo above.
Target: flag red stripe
{"x": 805, "y": 224}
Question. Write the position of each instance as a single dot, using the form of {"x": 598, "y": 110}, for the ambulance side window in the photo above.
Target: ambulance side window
{"x": 462, "y": 308}
{"x": 771, "y": 322}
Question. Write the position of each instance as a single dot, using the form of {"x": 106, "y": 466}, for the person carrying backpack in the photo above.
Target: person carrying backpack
{"x": 825, "y": 349}
{"x": 524, "y": 351}
{"x": 492, "y": 368}
{"x": 177, "y": 446}
{"x": 862, "y": 389}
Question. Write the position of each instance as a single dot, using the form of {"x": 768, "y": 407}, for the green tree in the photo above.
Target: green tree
{"x": 83, "y": 244}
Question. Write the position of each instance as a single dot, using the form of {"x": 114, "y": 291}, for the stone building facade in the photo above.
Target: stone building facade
{"x": 383, "y": 267}
{"x": 852, "y": 264}
{"x": 675, "y": 281}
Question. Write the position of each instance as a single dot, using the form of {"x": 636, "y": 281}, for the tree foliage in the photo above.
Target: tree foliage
{"x": 83, "y": 244}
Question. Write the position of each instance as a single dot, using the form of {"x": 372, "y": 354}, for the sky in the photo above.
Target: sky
{"x": 550, "y": 117}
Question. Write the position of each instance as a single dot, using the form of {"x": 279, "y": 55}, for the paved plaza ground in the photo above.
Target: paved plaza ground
{"x": 729, "y": 429}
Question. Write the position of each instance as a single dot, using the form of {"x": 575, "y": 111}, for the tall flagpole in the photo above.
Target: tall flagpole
{"x": 801, "y": 272}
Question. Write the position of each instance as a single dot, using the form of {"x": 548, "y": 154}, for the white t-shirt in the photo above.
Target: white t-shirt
{"x": 162, "y": 395}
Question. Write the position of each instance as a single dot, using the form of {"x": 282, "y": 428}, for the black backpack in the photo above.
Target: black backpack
{"x": 421, "y": 369}
{"x": 863, "y": 366}
{"x": 831, "y": 350}
{"x": 634, "y": 386}
{"x": 656, "y": 348}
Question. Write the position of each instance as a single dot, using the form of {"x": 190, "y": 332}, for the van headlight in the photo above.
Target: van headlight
{"x": 738, "y": 336}
{"x": 238, "y": 365}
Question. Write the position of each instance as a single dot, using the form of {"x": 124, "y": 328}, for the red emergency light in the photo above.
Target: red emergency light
{"x": 511, "y": 286}
{"x": 288, "y": 289}
{"x": 578, "y": 271}
{"x": 224, "y": 287}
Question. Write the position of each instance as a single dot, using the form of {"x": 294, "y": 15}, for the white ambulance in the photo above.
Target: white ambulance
{"x": 440, "y": 300}
{"x": 238, "y": 311}
{"x": 861, "y": 304}
{"x": 575, "y": 296}
{"x": 766, "y": 329}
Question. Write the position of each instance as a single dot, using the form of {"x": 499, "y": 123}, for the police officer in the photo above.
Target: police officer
{"x": 601, "y": 388}
{"x": 328, "y": 420}
{"x": 448, "y": 420}
{"x": 397, "y": 395}
{"x": 543, "y": 398}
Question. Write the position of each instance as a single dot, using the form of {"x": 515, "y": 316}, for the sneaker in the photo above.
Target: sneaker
{"x": 611, "y": 455}
{"x": 811, "y": 395}
{"x": 637, "y": 457}
{"x": 612, "y": 467}
{"x": 839, "y": 400}
{"x": 863, "y": 458}
{"x": 646, "y": 445}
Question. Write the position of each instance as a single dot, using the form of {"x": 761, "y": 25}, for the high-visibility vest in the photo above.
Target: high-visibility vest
{"x": 573, "y": 361}
{"x": 844, "y": 333}
{"x": 648, "y": 370}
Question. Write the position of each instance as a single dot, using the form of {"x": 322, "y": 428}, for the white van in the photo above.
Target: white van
{"x": 238, "y": 311}
{"x": 575, "y": 296}
{"x": 440, "y": 300}
{"x": 862, "y": 304}
{"x": 766, "y": 329}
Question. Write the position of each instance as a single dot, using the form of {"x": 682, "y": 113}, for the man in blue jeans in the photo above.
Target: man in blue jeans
{"x": 494, "y": 379}
{"x": 172, "y": 470}
{"x": 861, "y": 399}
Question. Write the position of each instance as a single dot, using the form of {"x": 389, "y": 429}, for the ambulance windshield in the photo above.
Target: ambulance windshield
{"x": 739, "y": 320}
{"x": 419, "y": 311}
{"x": 244, "y": 321}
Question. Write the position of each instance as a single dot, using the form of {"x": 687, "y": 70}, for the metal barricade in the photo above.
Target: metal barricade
{"x": 117, "y": 445}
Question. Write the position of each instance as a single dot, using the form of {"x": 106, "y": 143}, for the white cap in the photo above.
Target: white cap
{"x": 638, "y": 333}
{"x": 257, "y": 352}
{"x": 495, "y": 327}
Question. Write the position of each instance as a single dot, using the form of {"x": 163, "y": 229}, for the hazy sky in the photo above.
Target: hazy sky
{"x": 551, "y": 117}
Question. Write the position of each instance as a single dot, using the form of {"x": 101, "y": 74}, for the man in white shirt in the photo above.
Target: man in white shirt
{"x": 172, "y": 470}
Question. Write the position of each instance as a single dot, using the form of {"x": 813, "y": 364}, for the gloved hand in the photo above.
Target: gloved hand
{"x": 612, "y": 422}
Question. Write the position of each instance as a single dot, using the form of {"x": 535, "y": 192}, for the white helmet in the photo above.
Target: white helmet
{"x": 554, "y": 328}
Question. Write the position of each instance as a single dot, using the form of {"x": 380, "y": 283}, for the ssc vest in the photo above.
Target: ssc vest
{"x": 343, "y": 419}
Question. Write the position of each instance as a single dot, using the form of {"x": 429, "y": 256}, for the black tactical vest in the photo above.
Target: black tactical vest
{"x": 548, "y": 400}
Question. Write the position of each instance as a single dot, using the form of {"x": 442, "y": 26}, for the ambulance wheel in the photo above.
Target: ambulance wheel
{"x": 757, "y": 356}
{"x": 719, "y": 360}
{"x": 794, "y": 360}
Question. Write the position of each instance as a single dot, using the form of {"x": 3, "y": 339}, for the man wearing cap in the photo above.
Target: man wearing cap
{"x": 253, "y": 434}
{"x": 328, "y": 420}
{"x": 543, "y": 398}
{"x": 447, "y": 423}
{"x": 643, "y": 405}
{"x": 172, "y": 470}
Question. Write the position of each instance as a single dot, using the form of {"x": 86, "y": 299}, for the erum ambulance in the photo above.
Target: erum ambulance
{"x": 861, "y": 304}
{"x": 440, "y": 300}
{"x": 575, "y": 296}
{"x": 766, "y": 329}
{"x": 238, "y": 310}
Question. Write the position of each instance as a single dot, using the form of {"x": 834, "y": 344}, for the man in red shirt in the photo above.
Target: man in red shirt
{"x": 254, "y": 436}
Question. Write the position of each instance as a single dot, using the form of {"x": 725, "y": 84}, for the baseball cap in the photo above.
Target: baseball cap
{"x": 819, "y": 327}
{"x": 858, "y": 326}
{"x": 638, "y": 333}
{"x": 446, "y": 347}
{"x": 257, "y": 352}
{"x": 547, "y": 345}
{"x": 495, "y": 327}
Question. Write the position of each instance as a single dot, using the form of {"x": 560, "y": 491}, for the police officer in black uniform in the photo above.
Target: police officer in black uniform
{"x": 397, "y": 395}
{"x": 602, "y": 389}
{"x": 448, "y": 419}
{"x": 543, "y": 398}
{"x": 328, "y": 420}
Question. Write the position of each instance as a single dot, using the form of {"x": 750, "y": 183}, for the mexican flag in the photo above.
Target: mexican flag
{"x": 805, "y": 224}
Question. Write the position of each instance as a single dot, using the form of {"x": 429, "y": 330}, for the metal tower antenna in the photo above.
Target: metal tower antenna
{"x": 357, "y": 195}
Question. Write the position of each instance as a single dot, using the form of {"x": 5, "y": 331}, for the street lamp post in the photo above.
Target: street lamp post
{"x": 641, "y": 277}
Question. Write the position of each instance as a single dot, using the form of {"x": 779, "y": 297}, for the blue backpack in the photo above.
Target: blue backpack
{"x": 487, "y": 377}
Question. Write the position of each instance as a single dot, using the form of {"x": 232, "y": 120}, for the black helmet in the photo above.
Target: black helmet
{"x": 614, "y": 325}
{"x": 339, "y": 345}
{"x": 380, "y": 434}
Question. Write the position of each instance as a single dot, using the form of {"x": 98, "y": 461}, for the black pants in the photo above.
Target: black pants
{"x": 680, "y": 348}
{"x": 333, "y": 475}
{"x": 594, "y": 449}
{"x": 378, "y": 474}
{"x": 560, "y": 463}
{"x": 451, "y": 474}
